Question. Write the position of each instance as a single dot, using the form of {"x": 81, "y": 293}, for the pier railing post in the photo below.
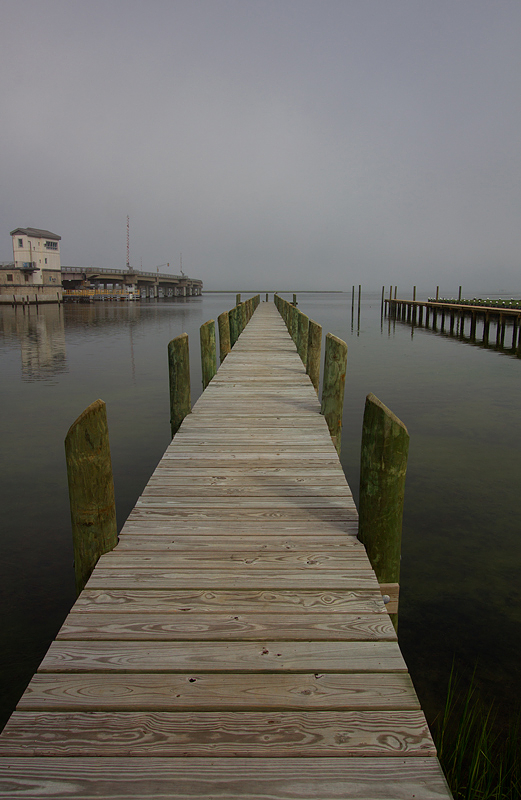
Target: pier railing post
{"x": 208, "y": 351}
{"x": 233, "y": 317}
{"x": 335, "y": 365}
{"x": 179, "y": 375}
{"x": 383, "y": 464}
{"x": 313, "y": 356}
{"x": 302, "y": 336}
{"x": 91, "y": 490}
{"x": 223, "y": 322}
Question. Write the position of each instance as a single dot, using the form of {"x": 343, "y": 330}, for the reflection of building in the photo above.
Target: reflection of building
{"x": 42, "y": 339}
{"x": 35, "y": 272}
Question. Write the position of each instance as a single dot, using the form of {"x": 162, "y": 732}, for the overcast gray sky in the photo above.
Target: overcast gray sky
{"x": 275, "y": 143}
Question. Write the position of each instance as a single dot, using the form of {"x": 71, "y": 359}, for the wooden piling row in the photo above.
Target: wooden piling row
{"x": 307, "y": 336}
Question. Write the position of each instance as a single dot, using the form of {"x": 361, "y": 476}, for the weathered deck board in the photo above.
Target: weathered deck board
{"x": 235, "y": 643}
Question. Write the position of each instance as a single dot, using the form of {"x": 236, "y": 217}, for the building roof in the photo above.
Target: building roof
{"x": 38, "y": 232}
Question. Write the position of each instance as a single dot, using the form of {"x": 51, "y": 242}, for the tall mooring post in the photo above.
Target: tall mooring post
{"x": 179, "y": 377}
{"x": 91, "y": 490}
{"x": 223, "y": 321}
{"x": 335, "y": 365}
{"x": 208, "y": 352}
{"x": 383, "y": 464}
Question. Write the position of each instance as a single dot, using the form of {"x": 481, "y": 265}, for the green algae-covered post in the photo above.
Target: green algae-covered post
{"x": 335, "y": 365}
{"x": 223, "y": 322}
{"x": 208, "y": 351}
{"x": 91, "y": 490}
{"x": 313, "y": 355}
{"x": 237, "y": 299}
{"x": 302, "y": 336}
{"x": 383, "y": 464}
{"x": 233, "y": 317}
{"x": 179, "y": 375}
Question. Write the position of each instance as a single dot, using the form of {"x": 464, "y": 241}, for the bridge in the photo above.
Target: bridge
{"x": 129, "y": 284}
{"x": 235, "y": 643}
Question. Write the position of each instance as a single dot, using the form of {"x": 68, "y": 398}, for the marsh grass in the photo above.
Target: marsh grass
{"x": 481, "y": 758}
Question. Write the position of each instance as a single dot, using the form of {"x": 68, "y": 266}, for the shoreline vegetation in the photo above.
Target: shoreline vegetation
{"x": 479, "y": 754}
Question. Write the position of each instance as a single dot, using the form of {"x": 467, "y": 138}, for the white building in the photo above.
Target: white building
{"x": 36, "y": 269}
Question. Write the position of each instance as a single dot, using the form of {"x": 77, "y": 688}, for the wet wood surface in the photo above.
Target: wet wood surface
{"x": 235, "y": 643}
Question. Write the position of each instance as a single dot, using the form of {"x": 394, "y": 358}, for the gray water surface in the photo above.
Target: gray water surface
{"x": 461, "y": 553}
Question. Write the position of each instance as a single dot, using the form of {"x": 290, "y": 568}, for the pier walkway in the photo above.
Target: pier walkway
{"x": 235, "y": 643}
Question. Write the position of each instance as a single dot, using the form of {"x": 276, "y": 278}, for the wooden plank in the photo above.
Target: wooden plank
{"x": 223, "y": 627}
{"x": 174, "y": 542}
{"x": 247, "y": 560}
{"x": 275, "y": 601}
{"x": 144, "y": 523}
{"x": 231, "y": 778}
{"x": 232, "y": 657}
{"x": 219, "y": 692}
{"x": 218, "y": 734}
{"x": 228, "y": 579}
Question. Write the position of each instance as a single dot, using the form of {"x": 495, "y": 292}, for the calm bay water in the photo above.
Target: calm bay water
{"x": 461, "y": 553}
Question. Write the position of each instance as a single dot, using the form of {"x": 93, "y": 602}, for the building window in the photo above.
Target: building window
{"x": 20, "y": 242}
{"x": 9, "y": 277}
{"x": 51, "y": 245}
{"x": 46, "y": 261}
{"x": 26, "y": 278}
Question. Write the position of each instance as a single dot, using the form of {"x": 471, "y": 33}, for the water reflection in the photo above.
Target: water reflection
{"x": 41, "y": 335}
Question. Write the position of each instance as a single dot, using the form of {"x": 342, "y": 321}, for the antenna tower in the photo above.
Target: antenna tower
{"x": 128, "y": 243}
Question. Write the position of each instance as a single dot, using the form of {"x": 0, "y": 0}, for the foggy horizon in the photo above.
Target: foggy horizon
{"x": 294, "y": 145}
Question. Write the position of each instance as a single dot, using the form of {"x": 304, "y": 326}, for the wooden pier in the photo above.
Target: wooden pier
{"x": 235, "y": 643}
{"x": 452, "y": 318}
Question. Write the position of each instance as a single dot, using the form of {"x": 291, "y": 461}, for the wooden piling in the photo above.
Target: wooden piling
{"x": 302, "y": 336}
{"x": 208, "y": 352}
{"x": 314, "y": 349}
{"x": 335, "y": 365}
{"x": 179, "y": 377}
{"x": 223, "y": 322}
{"x": 91, "y": 490}
{"x": 383, "y": 465}
{"x": 233, "y": 319}
{"x": 237, "y": 299}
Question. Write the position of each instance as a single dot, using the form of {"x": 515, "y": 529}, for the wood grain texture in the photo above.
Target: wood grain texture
{"x": 280, "y": 601}
{"x": 227, "y": 627}
{"x": 265, "y": 656}
{"x": 222, "y": 734}
{"x": 231, "y": 778}
{"x": 219, "y": 692}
